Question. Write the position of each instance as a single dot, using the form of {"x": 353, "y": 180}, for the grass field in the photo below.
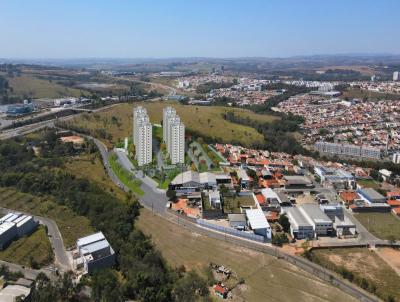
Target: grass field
{"x": 71, "y": 225}
{"x": 382, "y": 225}
{"x": 125, "y": 177}
{"x": 363, "y": 263}
{"x": 91, "y": 168}
{"x": 37, "y": 88}
{"x": 30, "y": 250}
{"x": 206, "y": 121}
{"x": 267, "y": 278}
{"x": 233, "y": 204}
{"x": 368, "y": 183}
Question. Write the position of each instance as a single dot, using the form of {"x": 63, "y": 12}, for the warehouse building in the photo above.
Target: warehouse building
{"x": 300, "y": 228}
{"x": 297, "y": 183}
{"x": 343, "y": 226}
{"x": 194, "y": 181}
{"x": 317, "y": 218}
{"x": 15, "y": 225}
{"x": 257, "y": 222}
{"x": 371, "y": 196}
{"x": 93, "y": 253}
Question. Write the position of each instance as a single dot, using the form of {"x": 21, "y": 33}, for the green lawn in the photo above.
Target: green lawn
{"x": 369, "y": 183}
{"x": 363, "y": 267}
{"x": 382, "y": 225}
{"x": 233, "y": 204}
{"x": 71, "y": 225}
{"x": 33, "y": 250}
{"x": 125, "y": 177}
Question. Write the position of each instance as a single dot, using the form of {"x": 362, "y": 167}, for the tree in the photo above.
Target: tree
{"x": 190, "y": 288}
{"x": 284, "y": 222}
{"x": 279, "y": 239}
{"x": 171, "y": 194}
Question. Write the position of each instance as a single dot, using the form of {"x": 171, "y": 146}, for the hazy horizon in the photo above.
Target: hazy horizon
{"x": 74, "y": 29}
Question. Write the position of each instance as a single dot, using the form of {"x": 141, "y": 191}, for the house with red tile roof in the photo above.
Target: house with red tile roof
{"x": 396, "y": 211}
{"x": 348, "y": 197}
{"x": 221, "y": 291}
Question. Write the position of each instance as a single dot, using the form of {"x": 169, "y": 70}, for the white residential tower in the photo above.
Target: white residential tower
{"x": 142, "y": 136}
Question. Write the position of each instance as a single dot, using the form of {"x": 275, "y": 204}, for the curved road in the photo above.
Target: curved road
{"x": 62, "y": 261}
{"x": 157, "y": 201}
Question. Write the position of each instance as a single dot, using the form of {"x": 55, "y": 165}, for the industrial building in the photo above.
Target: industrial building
{"x": 297, "y": 183}
{"x": 190, "y": 181}
{"x": 14, "y": 225}
{"x": 174, "y": 135}
{"x": 142, "y": 136}
{"x": 348, "y": 150}
{"x": 371, "y": 196}
{"x": 20, "y": 109}
{"x": 257, "y": 222}
{"x": 343, "y": 226}
{"x": 93, "y": 252}
{"x": 321, "y": 223}
{"x": 339, "y": 178}
{"x": 300, "y": 228}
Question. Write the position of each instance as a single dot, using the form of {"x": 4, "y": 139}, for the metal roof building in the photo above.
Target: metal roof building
{"x": 371, "y": 196}
{"x": 317, "y": 218}
{"x": 300, "y": 228}
{"x": 90, "y": 239}
{"x": 94, "y": 253}
{"x": 257, "y": 221}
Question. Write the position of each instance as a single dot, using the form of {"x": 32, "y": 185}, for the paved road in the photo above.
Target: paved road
{"x": 154, "y": 199}
{"x": 157, "y": 201}
{"x": 62, "y": 260}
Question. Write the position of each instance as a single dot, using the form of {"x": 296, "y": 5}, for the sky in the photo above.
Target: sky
{"x": 196, "y": 28}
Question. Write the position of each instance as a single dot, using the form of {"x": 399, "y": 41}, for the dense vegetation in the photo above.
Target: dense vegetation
{"x": 145, "y": 275}
{"x": 278, "y": 136}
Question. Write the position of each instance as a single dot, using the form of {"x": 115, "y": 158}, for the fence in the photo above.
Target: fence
{"x": 231, "y": 231}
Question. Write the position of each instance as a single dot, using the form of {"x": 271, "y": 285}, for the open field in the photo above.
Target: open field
{"x": 267, "y": 278}
{"x": 37, "y": 88}
{"x": 33, "y": 250}
{"x": 363, "y": 264}
{"x": 206, "y": 121}
{"x": 71, "y": 225}
{"x": 368, "y": 183}
{"x": 91, "y": 168}
{"x": 381, "y": 225}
